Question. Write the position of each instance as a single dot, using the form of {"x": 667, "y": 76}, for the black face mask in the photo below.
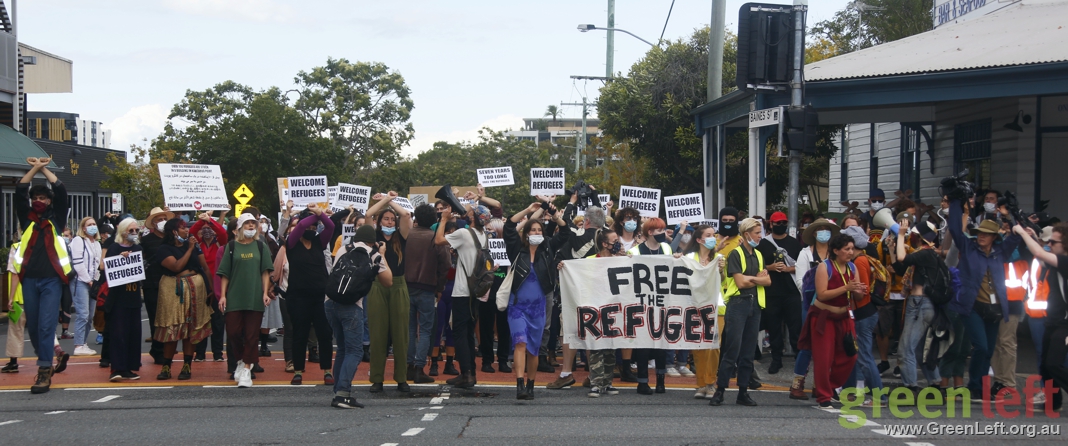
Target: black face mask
{"x": 308, "y": 235}
{"x": 660, "y": 238}
{"x": 778, "y": 230}
{"x": 729, "y": 229}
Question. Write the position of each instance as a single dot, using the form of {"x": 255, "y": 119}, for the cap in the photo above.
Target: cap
{"x": 245, "y": 218}
{"x": 903, "y": 215}
{"x": 366, "y": 234}
{"x": 877, "y": 193}
{"x": 860, "y": 239}
{"x": 1047, "y": 233}
{"x": 778, "y": 216}
{"x": 689, "y": 228}
{"x": 483, "y": 214}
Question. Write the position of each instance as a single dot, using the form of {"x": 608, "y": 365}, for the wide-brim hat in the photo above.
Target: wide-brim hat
{"x": 809, "y": 236}
{"x": 988, "y": 227}
{"x": 157, "y": 211}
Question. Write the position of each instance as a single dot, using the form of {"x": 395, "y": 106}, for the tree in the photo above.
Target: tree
{"x": 852, "y": 29}
{"x": 553, "y": 111}
{"x": 138, "y": 180}
{"x": 363, "y": 107}
{"x": 621, "y": 167}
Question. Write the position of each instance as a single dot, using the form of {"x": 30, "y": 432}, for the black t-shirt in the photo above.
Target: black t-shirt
{"x": 123, "y": 296}
{"x": 150, "y": 244}
{"x": 177, "y": 252}
{"x": 925, "y": 261}
{"x": 1057, "y": 303}
{"x": 782, "y": 284}
{"x": 307, "y": 269}
{"x": 396, "y": 264}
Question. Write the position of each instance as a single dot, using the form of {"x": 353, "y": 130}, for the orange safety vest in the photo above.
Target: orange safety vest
{"x": 1037, "y": 292}
{"x": 1016, "y": 286}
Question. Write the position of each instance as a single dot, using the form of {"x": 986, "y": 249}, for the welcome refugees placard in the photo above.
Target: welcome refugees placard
{"x": 121, "y": 270}
{"x": 546, "y": 181}
{"x": 684, "y": 207}
{"x": 646, "y": 201}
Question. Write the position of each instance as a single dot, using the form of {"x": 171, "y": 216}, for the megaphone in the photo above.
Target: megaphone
{"x": 885, "y": 219}
{"x": 445, "y": 194}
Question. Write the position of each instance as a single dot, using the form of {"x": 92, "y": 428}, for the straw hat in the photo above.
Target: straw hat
{"x": 157, "y": 211}
{"x": 809, "y": 236}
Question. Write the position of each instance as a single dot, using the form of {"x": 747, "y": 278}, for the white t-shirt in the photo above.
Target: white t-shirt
{"x": 461, "y": 241}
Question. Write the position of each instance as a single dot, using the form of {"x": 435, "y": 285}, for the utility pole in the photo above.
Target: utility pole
{"x": 609, "y": 58}
{"x": 796, "y": 100}
{"x": 580, "y": 148}
{"x": 714, "y": 91}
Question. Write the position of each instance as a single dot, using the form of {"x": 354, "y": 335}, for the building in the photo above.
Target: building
{"x": 67, "y": 127}
{"x": 556, "y": 131}
{"x": 986, "y": 90}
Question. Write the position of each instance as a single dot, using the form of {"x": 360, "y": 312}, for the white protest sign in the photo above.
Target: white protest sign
{"x": 418, "y": 199}
{"x": 122, "y": 270}
{"x": 688, "y": 207}
{"x": 646, "y": 201}
{"x": 331, "y": 192}
{"x": 713, "y": 223}
{"x": 496, "y": 176}
{"x": 640, "y": 302}
{"x": 499, "y": 252}
{"x": 352, "y": 195}
{"x": 304, "y": 191}
{"x": 116, "y": 202}
{"x": 404, "y": 203}
{"x": 604, "y": 199}
{"x": 546, "y": 181}
{"x": 193, "y": 187}
{"x": 347, "y": 231}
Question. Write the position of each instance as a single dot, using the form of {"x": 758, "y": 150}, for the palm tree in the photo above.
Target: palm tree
{"x": 553, "y": 111}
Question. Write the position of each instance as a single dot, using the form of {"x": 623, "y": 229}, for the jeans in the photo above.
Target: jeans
{"x": 347, "y": 324}
{"x": 420, "y": 325}
{"x": 83, "y": 310}
{"x": 983, "y": 336}
{"x": 742, "y": 323}
{"x": 1038, "y": 330}
{"x": 954, "y": 360}
{"x": 41, "y": 310}
{"x": 919, "y": 313}
{"x": 673, "y": 357}
{"x": 866, "y": 359}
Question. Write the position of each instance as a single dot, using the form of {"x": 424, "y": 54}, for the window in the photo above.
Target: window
{"x": 873, "y": 163}
{"x": 911, "y": 142}
{"x": 844, "y": 165}
{"x": 971, "y": 150}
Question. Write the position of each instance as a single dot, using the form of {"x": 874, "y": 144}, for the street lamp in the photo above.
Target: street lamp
{"x": 587, "y": 27}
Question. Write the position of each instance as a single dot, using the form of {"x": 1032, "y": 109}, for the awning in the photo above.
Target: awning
{"x": 14, "y": 149}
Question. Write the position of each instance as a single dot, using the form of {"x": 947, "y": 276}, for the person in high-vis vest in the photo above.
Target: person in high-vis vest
{"x": 1035, "y": 307}
{"x": 1017, "y": 274}
{"x": 42, "y": 261}
{"x": 704, "y": 252}
{"x": 727, "y": 239}
{"x": 744, "y": 298}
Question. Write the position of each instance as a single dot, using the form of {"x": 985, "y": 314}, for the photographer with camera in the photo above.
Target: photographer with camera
{"x": 983, "y": 297}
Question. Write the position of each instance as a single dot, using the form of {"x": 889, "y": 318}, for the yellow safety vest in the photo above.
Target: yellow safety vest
{"x": 666, "y": 248}
{"x": 17, "y": 298}
{"x": 731, "y": 289}
{"x": 60, "y": 246}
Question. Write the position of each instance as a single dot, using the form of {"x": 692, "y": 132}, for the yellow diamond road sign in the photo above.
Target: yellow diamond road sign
{"x": 243, "y": 194}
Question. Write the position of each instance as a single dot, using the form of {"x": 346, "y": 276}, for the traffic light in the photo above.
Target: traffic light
{"x": 801, "y": 129}
{"x": 765, "y": 45}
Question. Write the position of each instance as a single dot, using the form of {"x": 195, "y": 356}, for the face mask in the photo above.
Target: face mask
{"x": 160, "y": 225}
{"x": 180, "y": 239}
{"x": 388, "y": 230}
{"x": 535, "y": 240}
{"x": 686, "y": 238}
{"x": 39, "y": 206}
{"x": 877, "y": 205}
{"x": 133, "y": 239}
{"x": 615, "y": 248}
{"x": 660, "y": 238}
{"x": 990, "y": 208}
{"x": 943, "y": 212}
{"x": 752, "y": 244}
{"x": 249, "y": 233}
{"x": 264, "y": 227}
{"x": 778, "y": 230}
{"x": 1048, "y": 248}
{"x": 91, "y": 230}
{"x": 710, "y": 243}
{"x": 630, "y": 226}
{"x": 823, "y": 236}
{"x": 308, "y": 235}
{"x": 728, "y": 229}
{"x": 66, "y": 239}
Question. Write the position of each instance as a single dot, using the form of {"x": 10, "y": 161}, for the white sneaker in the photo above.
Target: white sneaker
{"x": 1040, "y": 398}
{"x": 711, "y": 392}
{"x": 237, "y": 371}
{"x": 685, "y": 371}
{"x": 702, "y": 392}
{"x": 83, "y": 350}
{"x": 246, "y": 377}
{"x": 672, "y": 372}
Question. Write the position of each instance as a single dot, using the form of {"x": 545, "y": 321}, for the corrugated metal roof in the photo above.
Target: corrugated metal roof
{"x": 1028, "y": 32}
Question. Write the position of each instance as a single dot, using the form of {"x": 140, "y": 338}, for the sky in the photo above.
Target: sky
{"x": 469, "y": 64}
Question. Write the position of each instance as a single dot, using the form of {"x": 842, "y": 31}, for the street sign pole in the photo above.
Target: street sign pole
{"x": 796, "y": 101}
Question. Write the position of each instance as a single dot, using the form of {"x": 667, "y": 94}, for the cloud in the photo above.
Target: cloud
{"x": 424, "y": 141}
{"x": 139, "y": 123}
{"x": 247, "y": 10}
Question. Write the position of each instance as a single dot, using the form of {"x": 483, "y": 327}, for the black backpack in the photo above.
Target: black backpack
{"x": 352, "y": 276}
{"x": 939, "y": 287}
{"x": 480, "y": 278}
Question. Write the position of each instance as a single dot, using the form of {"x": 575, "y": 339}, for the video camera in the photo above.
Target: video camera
{"x": 1009, "y": 200}
{"x": 583, "y": 190}
{"x": 957, "y": 187}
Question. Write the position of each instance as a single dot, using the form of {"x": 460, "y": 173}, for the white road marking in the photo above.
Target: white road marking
{"x": 15, "y": 390}
{"x": 437, "y": 407}
{"x": 55, "y": 412}
{"x": 828, "y": 409}
{"x": 234, "y": 386}
{"x": 854, "y": 418}
{"x": 430, "y": 417}
{"x": 389, "y": 444}
{"x": 19, "y": 421}
{"x": 412, "y": 432}
{"x": 437, "y": 400}
{"x": 121, "y": 388}
{"x": 106, "y": 399}
{"x": 884, "y": 432}
{"x": 919, "y": 444}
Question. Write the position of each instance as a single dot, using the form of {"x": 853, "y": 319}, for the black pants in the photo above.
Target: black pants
{"x": 463, "y": 331}
{"x": 642, "y": 357}
{"x": 151, "y": 298}
{"x": 306, "y": 311}
{"x": 490, "y": 315}
{"x": 549, "y": 337}
{"x": 218, "y": 332}
{"x": 1053, "y": 354}
{"x": 779, "y": 310}
{"x": 124, "y": 339}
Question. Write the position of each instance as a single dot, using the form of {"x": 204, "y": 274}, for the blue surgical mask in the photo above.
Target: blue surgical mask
{"x": 710, "y": 243}
{"x": 823, "y": 236}
{"x": 180, "y": 239}
{"x": 752, "y": 244}
{"x": 630, "y": 226}
{"x": 91, "y": 230}
{"x": 389, "y": 230}
{"x": 1048, "y": 248}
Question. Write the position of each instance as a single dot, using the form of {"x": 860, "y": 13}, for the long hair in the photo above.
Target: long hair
{"x": 81, "y": 227}
{"x": 525, "y": 233}
{"x": 695, "y": 247}
{"x": 169, "y": 228}
{"x": 395, "y": 241}
{"x": 122, "y": 229}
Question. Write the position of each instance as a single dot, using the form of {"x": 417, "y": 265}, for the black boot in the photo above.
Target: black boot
{"x": 717, "y": 398}
{"x": 530, "y": 389}
{"x": 434, "y": 366}
{"x": 744, "y": 399}
{"x": 520, "y": 390}
{"x": 660, "y": 383}
{"x": 265, "y": 351}
{"x": 450, "y": 369}
{"x": 502, "y": 366}
{"x": 643, "y": 389}
{"x": 543, "y": 365}
{"x": 625, "y": 374}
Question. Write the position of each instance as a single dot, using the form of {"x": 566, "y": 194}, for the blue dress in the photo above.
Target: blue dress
{"x": 526, "y": 314}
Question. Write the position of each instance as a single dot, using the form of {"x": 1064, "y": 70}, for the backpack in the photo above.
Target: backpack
{"x": 937, "y": 340}
{"x": 352, "y": 276}
{"x": 939, "y": 287}
{"x": 480, "y": 278}
{"x": 808, "y": 283}
{"x": 879, "y": 289}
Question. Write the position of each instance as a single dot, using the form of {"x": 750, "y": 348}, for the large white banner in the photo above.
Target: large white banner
{"x": 193, "y": 187}
{"x": 640, "y": 302}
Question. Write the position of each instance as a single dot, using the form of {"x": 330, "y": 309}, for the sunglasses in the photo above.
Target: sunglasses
{"x": 779, "y": 223}
{"x": 878, "y": 201}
